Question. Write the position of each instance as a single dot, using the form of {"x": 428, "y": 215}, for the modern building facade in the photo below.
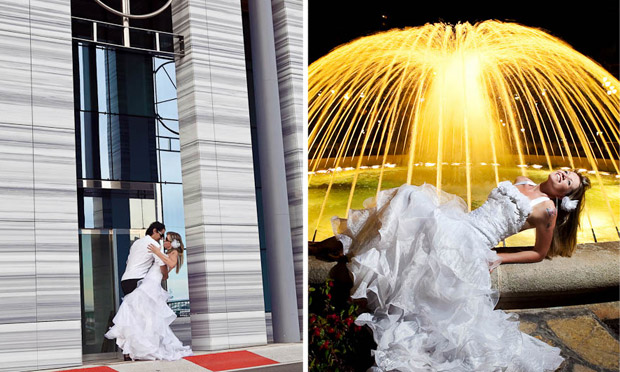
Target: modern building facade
{"x": 110, "y": 122}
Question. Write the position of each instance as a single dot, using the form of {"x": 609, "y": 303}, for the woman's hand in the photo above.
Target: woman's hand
{"x": 154, "y": 249}
{"x": 171, "y": 261}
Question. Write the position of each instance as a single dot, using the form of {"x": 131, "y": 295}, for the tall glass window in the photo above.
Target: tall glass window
{"x": 129, "y": 173}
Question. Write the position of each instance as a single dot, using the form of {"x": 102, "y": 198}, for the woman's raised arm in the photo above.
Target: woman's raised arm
{"x": 170, "y": 261}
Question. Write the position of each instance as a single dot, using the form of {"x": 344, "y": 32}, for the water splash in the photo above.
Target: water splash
{"x": 493, "y": 92}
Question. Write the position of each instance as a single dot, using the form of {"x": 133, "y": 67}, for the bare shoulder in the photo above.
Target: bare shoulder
{"x": 545, "y": 214}
{"x": 173, "y": 253}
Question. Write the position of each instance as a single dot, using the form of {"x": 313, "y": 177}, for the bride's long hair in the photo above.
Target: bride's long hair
{"x": 564, "y": 239}
{"x": 175, "y": 236}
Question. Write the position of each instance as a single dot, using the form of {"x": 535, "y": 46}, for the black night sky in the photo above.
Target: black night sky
{"x": 591, "y": 27}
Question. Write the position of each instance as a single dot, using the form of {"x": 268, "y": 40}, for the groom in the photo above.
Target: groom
{"x": 141, "y": 259}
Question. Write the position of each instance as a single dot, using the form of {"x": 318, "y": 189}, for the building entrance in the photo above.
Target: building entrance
{"x": 103, "y": 256}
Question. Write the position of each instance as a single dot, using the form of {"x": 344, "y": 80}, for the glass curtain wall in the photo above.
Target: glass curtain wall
{"x": 128, "y": 171}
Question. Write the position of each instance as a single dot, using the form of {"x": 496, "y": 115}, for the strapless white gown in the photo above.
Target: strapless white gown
{"x": 142, "y": 324}
{"x": 422, "y": 262}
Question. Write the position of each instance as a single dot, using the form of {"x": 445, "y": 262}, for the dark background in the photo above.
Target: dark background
{"x": 591, "y": 27}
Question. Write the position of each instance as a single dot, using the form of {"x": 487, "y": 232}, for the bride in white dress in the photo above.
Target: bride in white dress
{"x": 142, "y": 324}
{"x": 423, "y": 265}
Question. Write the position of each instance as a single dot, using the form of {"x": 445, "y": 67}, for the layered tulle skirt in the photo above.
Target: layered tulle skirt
{"x": 423, "y": 267}
{"x": 142, "y": 324}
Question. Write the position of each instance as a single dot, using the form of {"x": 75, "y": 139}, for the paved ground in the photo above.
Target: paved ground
{"x": 269, "y": 358}
{"x": 587, "y": 334}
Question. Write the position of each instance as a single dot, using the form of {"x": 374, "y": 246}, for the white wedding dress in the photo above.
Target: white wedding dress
{"x": 142, "y": 324}
{"x": 423, "y": 264}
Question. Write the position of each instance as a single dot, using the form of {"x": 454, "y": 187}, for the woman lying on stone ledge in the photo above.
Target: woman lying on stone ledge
{"x": 422, "y": 264}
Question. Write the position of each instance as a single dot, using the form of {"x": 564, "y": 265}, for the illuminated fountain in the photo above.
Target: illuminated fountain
{"x": 462, "y": 107}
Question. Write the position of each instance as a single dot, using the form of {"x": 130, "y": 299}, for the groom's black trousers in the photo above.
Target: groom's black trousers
{"x": 128, "y": 285}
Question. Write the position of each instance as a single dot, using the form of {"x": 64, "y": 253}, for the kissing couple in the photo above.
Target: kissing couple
{"x": 142, "y": 324}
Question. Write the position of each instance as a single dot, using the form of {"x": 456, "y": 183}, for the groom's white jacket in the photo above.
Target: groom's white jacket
{"x": 141, "y": 259}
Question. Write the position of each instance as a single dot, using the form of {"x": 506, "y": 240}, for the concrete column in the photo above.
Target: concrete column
{"x": 289, "y": 42}
{"x": 40, "y": 317}
{"x": 273, "y": 174}
{"x": 223, "y": 248}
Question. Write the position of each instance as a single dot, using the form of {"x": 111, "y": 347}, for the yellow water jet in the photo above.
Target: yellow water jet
{"x": 493, "y": 92}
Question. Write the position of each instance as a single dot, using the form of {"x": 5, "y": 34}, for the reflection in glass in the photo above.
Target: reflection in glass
{"x": 102, "y": 78}
{"x": 174, "y": 217}
{"x": 168, "y": 128}
{"x": 177, "y": 283}
{"x": 148, "y": 212}
{"x": 165, "y": 89}
{"x": 175, "y": 145}
{"x": 88, "y": 83}
{"x": 135, "y": 213}
{"x": 123, "y": 80}
{"x": 170, "y": 166}
{"x": 93, "y": 212}
{"x": 172, "y": 200}
{"x": 133, "y": 148}
{"x": 168, "y": 109}
{"x": 164, "y": 143}
{"x": 131, "y": 83}
{"x": 123, "y": 242}
{"x": 98, "y": 303}
{"x": 142, "y": 213}
{"x": 89, "y": 220}
{"x": 117, "y": 147}
{"x": 115, "y": 208}
{"x": 165, "y": 79}
{"x": 121, "y": 136}
{"x": 85, "y": 146}
{"x": 80, "y": 72}
{"x": 104, "y": 148}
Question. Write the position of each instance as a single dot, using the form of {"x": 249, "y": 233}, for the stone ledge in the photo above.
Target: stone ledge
{"x": 591, "y": 275}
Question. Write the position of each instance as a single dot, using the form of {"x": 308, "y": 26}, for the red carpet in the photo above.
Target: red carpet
{"x": 230, "y": 360}
{"x": 91, "y": 369}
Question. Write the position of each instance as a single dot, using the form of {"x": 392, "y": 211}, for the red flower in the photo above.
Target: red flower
{"x": 317, "y": 332}
{"x": 325, "y": 344}
{"x": 349, "y": 321}
{"x": 331, "y": 283}
{"x": 333, "y": 317}
{"x": 330, "y": 330}
{"x": 329, "y": 295}
{"x": 312, "y": 319}
{"x": 338, "y": 335}
{"x": 358, "y": 328}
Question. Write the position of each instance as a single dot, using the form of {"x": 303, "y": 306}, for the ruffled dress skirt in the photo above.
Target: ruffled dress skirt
{"x": 142, "y": 324}
{"x": 424, "y": 270}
